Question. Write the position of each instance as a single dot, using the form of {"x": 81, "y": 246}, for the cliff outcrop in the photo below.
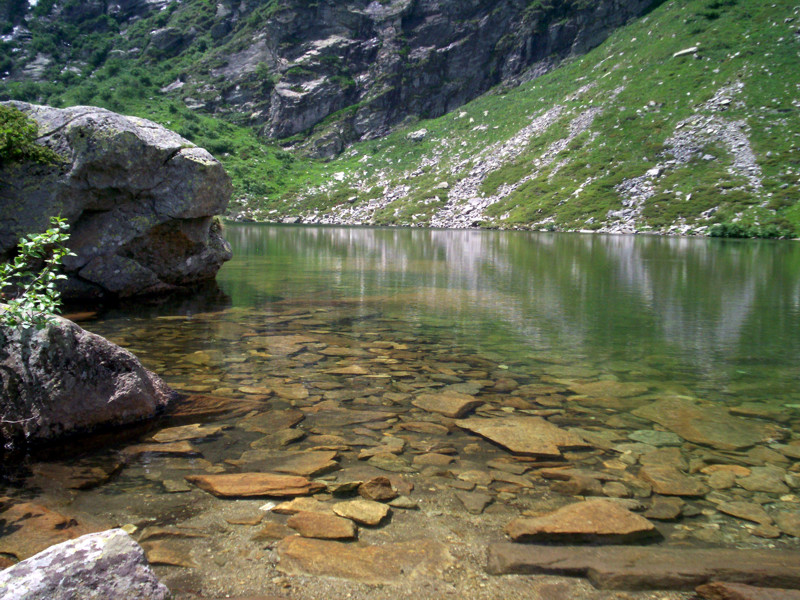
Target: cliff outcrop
{"x": 332, "y": 72}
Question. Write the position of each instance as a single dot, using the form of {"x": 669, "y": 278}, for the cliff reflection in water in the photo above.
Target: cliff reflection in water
{"x": 714, "y": 313}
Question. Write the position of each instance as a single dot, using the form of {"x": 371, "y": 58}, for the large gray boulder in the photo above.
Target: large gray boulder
{"x": 62, "y": 380}
{"x": 140, "y": 200}
{"x": 98, "y": 566}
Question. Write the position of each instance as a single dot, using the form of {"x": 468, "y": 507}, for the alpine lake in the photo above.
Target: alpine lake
{"x": 420, "y": 390}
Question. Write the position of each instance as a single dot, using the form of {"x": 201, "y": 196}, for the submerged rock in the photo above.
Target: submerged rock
{"x": 62, "y": 380}
{"x": 97, "y": 566}
{"x": 524, "y": 435}
{"x": 365, "y": 512}
{"x": 651, "y": 567}
{"x": 724, "y": 590}
{"x": 322, "y": 526}
{"x": 385, "y": 564}
{"x": 599, "y": 521}
{"x": 140, "y": 200}
{"x": 29, "y": 528}
{"x": 707, "y": 425}
{"x": 246, "y": 485}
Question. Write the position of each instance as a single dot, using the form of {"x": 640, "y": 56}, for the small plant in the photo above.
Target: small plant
{"x": 18, "y": 134}
{"x": 33, "y": 275}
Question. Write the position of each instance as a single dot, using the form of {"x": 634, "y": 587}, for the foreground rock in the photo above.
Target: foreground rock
{"x": 597, "y": 521}
{"x": 63, "y": 380}
{"x": 246, "y": 485}
{"x": 93, "y": 567}
{"x": 140, "y": 200}
{"x": 389, "y": 563}
{"x": 649, "y": 567}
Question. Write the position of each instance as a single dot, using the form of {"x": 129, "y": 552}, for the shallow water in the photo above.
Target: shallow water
{"x": 346, "y": 327}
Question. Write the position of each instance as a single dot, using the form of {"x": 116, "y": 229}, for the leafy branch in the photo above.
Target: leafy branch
{"x": 33, "y": 277}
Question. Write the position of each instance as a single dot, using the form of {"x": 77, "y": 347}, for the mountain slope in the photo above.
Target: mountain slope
{"x": 683, "y": 121}
{"x": 350, "y": 70}
{"x": 686, "y": 121}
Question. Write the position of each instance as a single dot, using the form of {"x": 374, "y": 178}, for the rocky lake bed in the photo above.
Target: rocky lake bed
{"x": 311, "y": 459}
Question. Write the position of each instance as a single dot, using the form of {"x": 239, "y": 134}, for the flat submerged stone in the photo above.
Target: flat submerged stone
{"x": 388, "y": 563}
{"x": 707, "y": 425}
{"x": 29, "y": 528}
{"x": 649, "y": 567}
{"x": 524, "y": 435}
{"x": 449, "y": 404}
{"x": 362, "y": 511}
{"x": 598, "y": 521}
{"x": 322, "y": 526}
{"x": 245, "y": 485}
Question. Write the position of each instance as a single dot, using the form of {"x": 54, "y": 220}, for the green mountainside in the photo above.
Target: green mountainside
{"x": 685, "y": 120}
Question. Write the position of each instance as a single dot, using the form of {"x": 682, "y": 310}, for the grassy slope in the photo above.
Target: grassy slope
{"x": 744, "y": 41}
{"x": 747, "y": 42}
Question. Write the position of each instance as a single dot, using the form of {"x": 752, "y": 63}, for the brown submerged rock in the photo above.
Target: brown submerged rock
{"x": 322, "y": 526}
{"x": 649, "y": 567}
{"x": 302, "y": 504}
{"x": 379, "y": 489}
{"x": 183, "y": 448}
{"x": 524, "y": 435}
{"x": 723, "y": 590}
{"x": 193, "y": 431}
{"x": 246, "y": 485}
{"x": 271, "y": 421}
{"x": 669, "y": 481}
{"x": 29, "y": 528}
{"x": 595, "y": 521}
{"x": 449, "y": 404}
{"x": 388, "y": 563}
{"x": 362, "y": 511}
{"x": 707, "y": 425}
{"x": 746, "y": 510}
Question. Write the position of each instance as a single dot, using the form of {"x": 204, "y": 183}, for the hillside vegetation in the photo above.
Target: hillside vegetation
{"x": 686, "y": 120}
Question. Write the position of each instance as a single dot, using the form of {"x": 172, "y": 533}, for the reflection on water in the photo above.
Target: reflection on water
{"x": 667, "y": 367}
{"x": 711, "y": 313}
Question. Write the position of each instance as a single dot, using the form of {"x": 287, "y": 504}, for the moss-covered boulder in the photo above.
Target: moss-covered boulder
{"x": 141, "y": 201}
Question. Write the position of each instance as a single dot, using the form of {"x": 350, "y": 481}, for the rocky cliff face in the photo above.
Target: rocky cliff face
{"x": 373, "y": 64}
{"x": 139, "y": 198}
{"x": 337, "y": 71}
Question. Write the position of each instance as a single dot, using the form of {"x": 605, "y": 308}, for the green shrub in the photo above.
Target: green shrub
{"x": 34, "y": 274}
{"x": 18, "y": 134}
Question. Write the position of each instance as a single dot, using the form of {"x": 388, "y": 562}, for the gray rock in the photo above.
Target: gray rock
{"x": 140, "y": 200}
{"x": 63, "y": 380}
{"x": 97, "y": 566}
